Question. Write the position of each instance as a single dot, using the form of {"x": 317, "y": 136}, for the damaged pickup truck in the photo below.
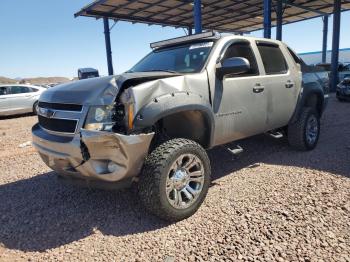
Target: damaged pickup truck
{"x": 153, "y": 124}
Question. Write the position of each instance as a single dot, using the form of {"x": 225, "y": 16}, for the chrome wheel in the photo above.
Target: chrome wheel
{"x": 185, "y": 181}
{"x": 311, "y": 130}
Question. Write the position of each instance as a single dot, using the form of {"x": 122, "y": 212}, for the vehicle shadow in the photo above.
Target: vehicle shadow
{"x": 40, "y": 213}
{"x": 16, "y": 116}
{"x": 331, "y": 155}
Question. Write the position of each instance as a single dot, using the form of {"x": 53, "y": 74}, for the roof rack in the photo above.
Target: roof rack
{"x": 183, "y": 39}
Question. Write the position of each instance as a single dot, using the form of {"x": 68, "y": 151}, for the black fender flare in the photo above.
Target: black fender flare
{"x": 308, "y": 90}
{"x": 173, "y": 103}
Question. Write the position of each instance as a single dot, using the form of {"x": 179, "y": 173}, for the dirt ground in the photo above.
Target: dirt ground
{"x": 270, "y": 204}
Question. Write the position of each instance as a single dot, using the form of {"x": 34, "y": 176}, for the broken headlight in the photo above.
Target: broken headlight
{"x": 100, "y": 118}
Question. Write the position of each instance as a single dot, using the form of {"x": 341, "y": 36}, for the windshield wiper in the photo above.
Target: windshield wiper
{"x": 161, "y": 70}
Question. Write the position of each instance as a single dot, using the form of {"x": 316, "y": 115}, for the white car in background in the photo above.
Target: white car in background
{"x": 19, "y": 99}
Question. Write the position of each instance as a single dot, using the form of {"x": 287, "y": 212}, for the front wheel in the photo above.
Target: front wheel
{"x": 305, "y": 132}
{"x": 175, "y": 179}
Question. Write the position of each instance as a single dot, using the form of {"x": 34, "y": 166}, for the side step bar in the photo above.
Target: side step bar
{"x": 275, "y": 134}
{"x": 236, "y": 151}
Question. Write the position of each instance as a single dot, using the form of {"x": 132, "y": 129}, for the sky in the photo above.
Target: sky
{"x": 42, "y": 38}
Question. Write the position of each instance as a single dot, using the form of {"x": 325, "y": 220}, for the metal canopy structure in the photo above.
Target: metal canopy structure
{"x": 237, "y": 16}
{"x": 219, "y": 15}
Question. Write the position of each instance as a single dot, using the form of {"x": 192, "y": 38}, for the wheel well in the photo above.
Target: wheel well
{"x": 191, "y": 124}
{"x": 314, "y": 101}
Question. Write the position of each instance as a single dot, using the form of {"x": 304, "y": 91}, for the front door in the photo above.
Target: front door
{"x": 240, "y": 101}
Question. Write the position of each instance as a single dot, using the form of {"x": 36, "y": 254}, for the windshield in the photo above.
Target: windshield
{"x": 188, "y": 58}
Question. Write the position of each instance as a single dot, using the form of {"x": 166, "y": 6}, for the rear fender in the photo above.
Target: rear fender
{"x": 309, "y": 90}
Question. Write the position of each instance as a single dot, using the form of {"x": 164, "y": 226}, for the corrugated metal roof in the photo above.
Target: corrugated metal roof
{"x": 220, "y": 15}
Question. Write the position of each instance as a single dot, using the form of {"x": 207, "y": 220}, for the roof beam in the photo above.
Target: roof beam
{"x": 145, "y": 8}
{"x": 230, "y": 15}
{"x": 286, "y": 2}
{"x": 88, "y": 7}
{"x": 167, "y": 9}
{"x": 122, "y": 6}
{"x": 285, "y": 20}
{"x": 133, "y": 20}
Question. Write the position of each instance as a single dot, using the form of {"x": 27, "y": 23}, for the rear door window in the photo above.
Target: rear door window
{"x": 20, "y": 90}
{"x": 273, "y": 58}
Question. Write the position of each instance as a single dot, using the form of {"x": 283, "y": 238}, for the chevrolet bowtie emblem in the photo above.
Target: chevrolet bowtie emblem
{"x": 48, "y": 113}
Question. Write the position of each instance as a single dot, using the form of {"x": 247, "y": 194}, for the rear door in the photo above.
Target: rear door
{"x": 282, "y": 82}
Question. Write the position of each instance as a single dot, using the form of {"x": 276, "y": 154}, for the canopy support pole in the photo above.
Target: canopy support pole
{"x": 335, "y": 44}
{"x": 267, "y": 18}
{"x": 198, "y": 16}
{"x": 279, "y": 18}
{"x": 108, "y": 45}
{"x": 189, "y": 30}
{"x": 325, "y": 38}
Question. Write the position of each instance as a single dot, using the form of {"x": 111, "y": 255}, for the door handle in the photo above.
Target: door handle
{"x": 289, "y": 84}
{"x": 258, "y": 88}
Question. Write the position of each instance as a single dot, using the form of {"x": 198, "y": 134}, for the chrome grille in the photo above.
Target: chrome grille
{"x": 59, "y": 118}
{"x": 62, "y": 107}
{"x": 58, "y": 125}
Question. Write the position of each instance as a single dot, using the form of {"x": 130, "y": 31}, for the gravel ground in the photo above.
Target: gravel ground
{"x": 270, "y": 204}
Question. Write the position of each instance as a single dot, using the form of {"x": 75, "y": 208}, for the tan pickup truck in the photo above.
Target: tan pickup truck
{"x": 153, "y": 124}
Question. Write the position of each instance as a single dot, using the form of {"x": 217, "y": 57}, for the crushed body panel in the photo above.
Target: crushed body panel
{"x": 126, "y": 152}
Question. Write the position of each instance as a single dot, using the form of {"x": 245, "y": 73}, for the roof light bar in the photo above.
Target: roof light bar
{"x": 182, "y": 39}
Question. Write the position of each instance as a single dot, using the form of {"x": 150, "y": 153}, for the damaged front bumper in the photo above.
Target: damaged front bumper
{"x": 93, "y": 156}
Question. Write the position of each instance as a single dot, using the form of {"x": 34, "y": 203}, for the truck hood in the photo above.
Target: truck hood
{"x": 97, "y": 91}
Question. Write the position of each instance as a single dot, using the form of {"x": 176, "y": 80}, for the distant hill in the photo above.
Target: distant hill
{"x": 5, "y": 80}
{"x": 46, "y": 80}
{"x": 35, "y": 80}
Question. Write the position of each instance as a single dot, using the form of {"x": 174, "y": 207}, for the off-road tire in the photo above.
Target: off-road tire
{"x": 152, "y": 183}
{"x": 297, "y": 131}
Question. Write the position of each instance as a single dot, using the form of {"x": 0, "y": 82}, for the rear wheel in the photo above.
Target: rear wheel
{"x": 305, "y": 132}
{"x": 175, "y": 179}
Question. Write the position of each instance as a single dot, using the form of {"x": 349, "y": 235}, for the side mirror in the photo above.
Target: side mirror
{"x": 233, "y": 65}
